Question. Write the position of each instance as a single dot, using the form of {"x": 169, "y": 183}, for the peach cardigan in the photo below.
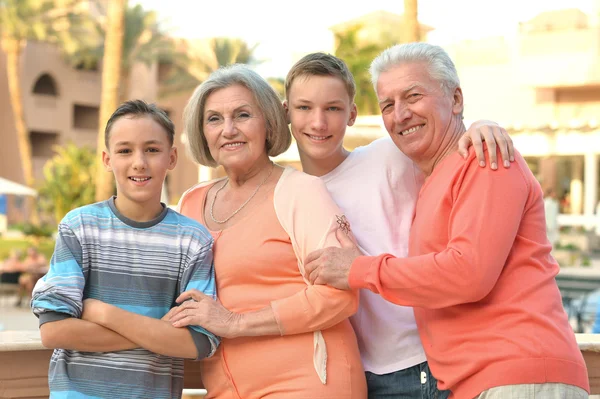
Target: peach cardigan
{"x": 295, "y": 194}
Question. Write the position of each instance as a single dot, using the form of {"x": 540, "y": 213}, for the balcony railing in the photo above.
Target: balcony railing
{"x": 24, "y": 366}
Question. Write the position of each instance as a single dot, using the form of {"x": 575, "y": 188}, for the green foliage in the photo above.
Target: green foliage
{"x": 567, "y": 247}
{"x": 27, "y": 19}
{"x": 188, "y": 69}
{"x": 358, "y": 56}
{"x": 144, "y": 41}
{"x": 278, "y": 84}
{"x": 229, "y": 51}
{"x": 82, "y": 42}
{"x": 45, "y": 246}
{"x": 586, "y": 261}
{"x": 30, "y": 229}
{"x": 69, "y": 180}
{"x": 61, "y": 22}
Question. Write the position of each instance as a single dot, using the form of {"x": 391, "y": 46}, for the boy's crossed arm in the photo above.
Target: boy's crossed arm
{"x": 159, "y": 336}
{"x": 83, "y": 336}
{"x": 57, "y": 302}
{"x": 155, "y": 335}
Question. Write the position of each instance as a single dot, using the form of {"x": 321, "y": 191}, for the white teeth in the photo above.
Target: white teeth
{"x": 233, "y": 145}
{"x": 139, "y": 179}
{"x": 320, "y": 138}
{"x": 411, "y": 130}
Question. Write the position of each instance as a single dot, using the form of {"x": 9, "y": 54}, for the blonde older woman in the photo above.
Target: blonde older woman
{"x": 281, "y": 336}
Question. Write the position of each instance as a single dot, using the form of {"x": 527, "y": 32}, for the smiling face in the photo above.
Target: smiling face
{"x": 319, "y": 110}
{"x": 417, "y": 113}
{"x": 235, "y": 128}
{"x": 139, "y": 155}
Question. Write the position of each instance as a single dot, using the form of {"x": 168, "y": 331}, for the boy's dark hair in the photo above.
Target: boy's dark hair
{"x": 321, "y": 64}
{"x": 139, "y": 108}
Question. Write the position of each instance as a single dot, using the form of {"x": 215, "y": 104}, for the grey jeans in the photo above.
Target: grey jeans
{"x": 535, "y": 391}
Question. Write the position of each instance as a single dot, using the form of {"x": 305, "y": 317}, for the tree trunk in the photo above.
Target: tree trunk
{"x": 124, "y": 90}
{"x": 412, "y": 32}
{"x": 13, "y": 49}
{"x": 111, "y": 76}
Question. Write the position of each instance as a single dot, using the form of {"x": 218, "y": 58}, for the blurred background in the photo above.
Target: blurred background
{"x": 532, "y": 66}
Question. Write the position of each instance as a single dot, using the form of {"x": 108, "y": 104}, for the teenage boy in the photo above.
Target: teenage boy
{"x": 129, "y": 258}
{"x": 377, "y": 188}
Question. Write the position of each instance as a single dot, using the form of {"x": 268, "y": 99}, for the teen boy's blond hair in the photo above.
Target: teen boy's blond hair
{"x": 321, "y": 64}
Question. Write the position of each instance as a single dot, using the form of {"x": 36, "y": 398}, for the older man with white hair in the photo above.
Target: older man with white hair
{"x": 479, "y": 273}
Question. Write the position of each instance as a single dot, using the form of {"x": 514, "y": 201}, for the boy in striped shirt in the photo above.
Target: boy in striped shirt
{"x": 119, "y": 265}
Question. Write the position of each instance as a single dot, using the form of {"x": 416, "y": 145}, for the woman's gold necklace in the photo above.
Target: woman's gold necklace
{"x": 212, "y": 206}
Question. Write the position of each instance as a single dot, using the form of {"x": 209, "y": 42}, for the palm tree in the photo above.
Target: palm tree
{"x": 144, "y": 41}
{"x": 229, "y": 51}
{"x": 358, "y": 57}
{"x": 189, "y": 69}
{"x": 278, "y": 84}
{"x": 411, "y": 21}
{"x": 111, "y": 79}
{"x": 22, "y": 21}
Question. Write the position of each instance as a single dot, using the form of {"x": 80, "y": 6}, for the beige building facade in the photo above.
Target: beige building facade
{"x": 62, "y": 104}
{"x": 543, "y": 85}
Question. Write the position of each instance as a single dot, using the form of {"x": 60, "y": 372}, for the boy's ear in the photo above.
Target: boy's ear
{"x": 353, "y": 115}
{"x": 173, "y": 158}
{"x": 287, "y": 111}
{"x": 106, "y": 161}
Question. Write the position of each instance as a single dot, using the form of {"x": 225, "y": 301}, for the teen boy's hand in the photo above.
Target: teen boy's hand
{"x": 205, "y": 312}
{"x": 494, "y": 135}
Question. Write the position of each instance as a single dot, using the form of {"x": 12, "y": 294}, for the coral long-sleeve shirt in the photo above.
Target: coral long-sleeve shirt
{"x": 481, "y": 279}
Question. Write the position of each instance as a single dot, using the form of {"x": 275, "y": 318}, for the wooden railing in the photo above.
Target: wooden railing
{"x": 24, "y": 365}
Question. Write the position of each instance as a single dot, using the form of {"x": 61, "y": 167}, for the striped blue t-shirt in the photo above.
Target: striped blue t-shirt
{"x": 141, "y": 267}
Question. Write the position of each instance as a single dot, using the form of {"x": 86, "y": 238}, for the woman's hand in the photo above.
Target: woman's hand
{"x": 205, "y": 312}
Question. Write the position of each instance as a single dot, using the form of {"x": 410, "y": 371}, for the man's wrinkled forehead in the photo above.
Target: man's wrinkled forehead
{"x": 403, "y": 79}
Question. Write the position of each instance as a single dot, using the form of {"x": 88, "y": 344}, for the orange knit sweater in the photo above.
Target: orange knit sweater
{"x": 481, "y": 279}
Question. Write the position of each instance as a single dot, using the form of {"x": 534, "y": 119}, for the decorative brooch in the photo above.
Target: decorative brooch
{"x": 343, "y": 224}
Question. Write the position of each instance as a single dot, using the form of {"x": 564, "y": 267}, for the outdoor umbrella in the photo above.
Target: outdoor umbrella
{"x": 10, "y": 187}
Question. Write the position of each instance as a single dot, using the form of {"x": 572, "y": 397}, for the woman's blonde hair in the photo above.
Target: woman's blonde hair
{"x": 278, "y": 133}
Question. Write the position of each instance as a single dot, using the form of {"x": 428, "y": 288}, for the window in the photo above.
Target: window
{"x": 85, "y": 117}
{"x": 42, "y": 143}
{"x": 45, "y": 85}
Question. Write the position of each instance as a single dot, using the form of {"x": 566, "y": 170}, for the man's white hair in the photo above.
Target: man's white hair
{"x": 440, "y": 66}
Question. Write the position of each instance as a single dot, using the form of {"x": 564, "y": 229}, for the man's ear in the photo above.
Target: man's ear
{"x": 458, "y": 105}
{"x": 173, "y": 158}
{"x": 353, "y": 114}
{"x": 106, "y": 161}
